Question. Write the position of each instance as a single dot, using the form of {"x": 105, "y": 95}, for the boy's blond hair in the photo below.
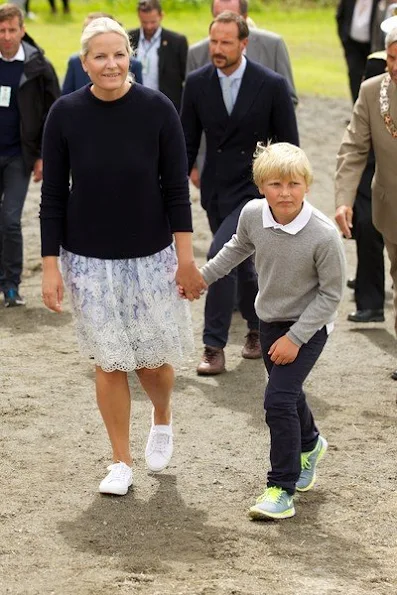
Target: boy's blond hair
{"x": 281, "y": 160}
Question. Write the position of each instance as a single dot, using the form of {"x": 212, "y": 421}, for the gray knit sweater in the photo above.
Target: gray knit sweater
{"x": 300, "y": 277}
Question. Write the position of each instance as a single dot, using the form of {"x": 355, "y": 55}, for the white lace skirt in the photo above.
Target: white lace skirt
{"x": 128, "y": 312}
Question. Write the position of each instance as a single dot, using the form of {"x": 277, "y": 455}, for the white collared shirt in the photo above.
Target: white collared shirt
{"x": 148, "y": 55}
{"x": 235, "y": 78}
{"x": 20, "y": 55}
{"x": 295, "y": 225}
{"x": 360, "y": 29}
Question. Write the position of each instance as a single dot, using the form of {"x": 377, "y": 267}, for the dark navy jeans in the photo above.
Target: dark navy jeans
{"x": 291, "y": 423}
{"x": 220, "y": 300}
{"x": 14, "y": 182}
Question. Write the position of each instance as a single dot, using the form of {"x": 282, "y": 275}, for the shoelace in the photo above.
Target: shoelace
{"x": 118, "y": 472}
{"x": 272, "y": 494}
{"x": 159, "y": 442}
{"x": 209, "y": 355}
{"x": 305, "y": 463}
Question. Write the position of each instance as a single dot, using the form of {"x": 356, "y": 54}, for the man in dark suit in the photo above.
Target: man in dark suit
{"x": 163, "y": 53}
{"x": 355, "y": 20}
{"x": 237, "y": 103}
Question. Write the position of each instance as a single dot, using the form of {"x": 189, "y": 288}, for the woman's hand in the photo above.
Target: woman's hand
{"x": 52, "y": 284}
{"x": 283, "y": 351}
{"x": 190, "y": 281}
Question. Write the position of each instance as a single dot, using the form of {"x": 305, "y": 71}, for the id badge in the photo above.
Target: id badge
{"x": 145, "y": 65}
{"x": 5, "y": 96}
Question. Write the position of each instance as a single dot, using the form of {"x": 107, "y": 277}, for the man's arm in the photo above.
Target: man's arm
{"x": 351, "y": 160}
{"x": 191, "y": 123}
{"x": 136, "y": 70}
{"x": 284, "y": 127}
{"x": 198, "y": 56}
{"x": 283, "y": 67}
{"x": 68, "y": 83}
{"x": 183, "y": 50}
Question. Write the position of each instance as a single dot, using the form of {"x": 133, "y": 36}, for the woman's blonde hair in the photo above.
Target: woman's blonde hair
{"x": 99, "y": 26}
{"x": 281, "y": 160}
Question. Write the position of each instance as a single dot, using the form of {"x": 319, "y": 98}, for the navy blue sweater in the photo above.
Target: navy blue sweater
{"x": 129, "y": 189}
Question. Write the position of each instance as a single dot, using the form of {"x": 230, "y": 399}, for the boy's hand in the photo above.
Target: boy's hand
{"x": 283, "y": 351}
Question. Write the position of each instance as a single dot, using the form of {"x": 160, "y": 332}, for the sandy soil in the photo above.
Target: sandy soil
{"x": 186, "y": 531}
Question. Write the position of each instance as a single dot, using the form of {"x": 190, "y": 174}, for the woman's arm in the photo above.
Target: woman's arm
{"x": 52, "y": 284}
{"x": 188, "y": 276}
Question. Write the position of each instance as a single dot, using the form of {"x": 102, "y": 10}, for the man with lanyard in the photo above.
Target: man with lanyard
{"x": 163, "y": 53}
{"x": 28, "y": 87}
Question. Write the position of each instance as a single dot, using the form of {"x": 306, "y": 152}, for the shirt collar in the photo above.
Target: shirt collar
{"x": 237, "y": 74}
{"x": 20, "y": 55}
{"x": 296, "y": 224}
{"x": 152, "y": 41}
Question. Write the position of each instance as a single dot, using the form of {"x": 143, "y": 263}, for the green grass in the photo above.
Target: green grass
{"x": 309, "y": 31}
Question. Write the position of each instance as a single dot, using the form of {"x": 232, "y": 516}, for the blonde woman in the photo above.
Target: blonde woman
{"x": 123, "y": 233}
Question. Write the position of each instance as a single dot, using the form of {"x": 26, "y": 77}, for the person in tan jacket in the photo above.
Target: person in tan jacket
{"x": 374, "y": 123}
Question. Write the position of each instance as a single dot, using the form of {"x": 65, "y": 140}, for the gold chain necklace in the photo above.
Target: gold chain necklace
{"x": 385, "y": 106}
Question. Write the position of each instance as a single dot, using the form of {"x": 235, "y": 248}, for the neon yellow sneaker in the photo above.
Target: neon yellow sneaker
{"x": 275, "y": 503}
{"x": 309, "y": 461}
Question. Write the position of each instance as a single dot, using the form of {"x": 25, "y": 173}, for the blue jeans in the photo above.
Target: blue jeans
{"x": 291, "y": 423}
{"x": 220, "y": 300}
{"x": 14, "y": 182}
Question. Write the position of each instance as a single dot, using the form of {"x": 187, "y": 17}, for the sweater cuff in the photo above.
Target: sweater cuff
{"x": 294, "y": 338}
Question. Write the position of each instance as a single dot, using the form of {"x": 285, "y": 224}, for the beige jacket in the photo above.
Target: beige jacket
{"x": 366, "y": 127}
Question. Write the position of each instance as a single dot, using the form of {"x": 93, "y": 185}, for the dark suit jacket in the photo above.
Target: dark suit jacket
{"x": 76, "y": 77}
{"x": 344, "y": 16}
{"x": 263, "y": 111}
{"x": 172, "y": 62}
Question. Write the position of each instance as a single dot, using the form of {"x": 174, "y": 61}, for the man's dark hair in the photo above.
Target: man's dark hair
{"x": 149, "y": 5}
{"x": 10, "y": 11}
{"x": 243, "y": 6}
{"x": 227, "y": 16}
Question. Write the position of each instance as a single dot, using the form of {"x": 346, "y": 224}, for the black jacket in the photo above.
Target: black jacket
{"x": 344, "y": 16}
{"x": 172, "y": 62}
{"x": 263, "y": 111}
{"x": 38, "y": 89}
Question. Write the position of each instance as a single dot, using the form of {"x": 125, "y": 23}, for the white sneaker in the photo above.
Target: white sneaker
{"x": 117, "y": 481}
{"x": 159, "y": 447}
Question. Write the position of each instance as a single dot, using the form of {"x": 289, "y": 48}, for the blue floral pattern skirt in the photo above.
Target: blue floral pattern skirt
{"x": 128, "y": 313}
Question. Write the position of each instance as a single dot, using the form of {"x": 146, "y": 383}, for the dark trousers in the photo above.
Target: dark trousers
{"x": 370, "y": 275}
{"x": 356, "y": 54}
{"x": 291, "y": 423}
{"x": 14, "y": 182}
{"x": 220, "y": 300}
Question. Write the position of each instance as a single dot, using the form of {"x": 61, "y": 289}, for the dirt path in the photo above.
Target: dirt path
{"x": 186, "y": 531}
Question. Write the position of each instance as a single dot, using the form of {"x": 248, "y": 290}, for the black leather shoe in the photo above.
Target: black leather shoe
{"x": 367, "y": 316}
{"x": 351, "y": 283}
{"x": 394, "y": 375}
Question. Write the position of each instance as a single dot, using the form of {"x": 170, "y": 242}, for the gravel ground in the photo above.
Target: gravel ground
{"x": 186, "y": 531}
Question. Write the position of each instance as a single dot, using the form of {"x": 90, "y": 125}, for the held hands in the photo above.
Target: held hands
{"x": 283, "y": 351}
{"x": 52, "y": 288}
{"x": 190, "y": 281}
{"x": 344, "y": 219}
